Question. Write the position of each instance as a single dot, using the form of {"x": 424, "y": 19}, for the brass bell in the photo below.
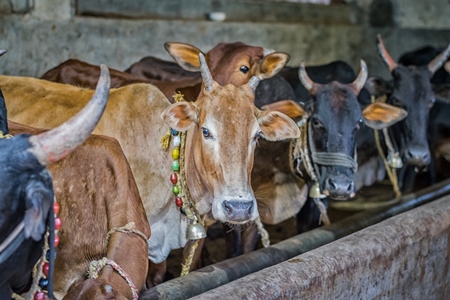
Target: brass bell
{"x": 195, "y": 231}
{"x": 394, "y": 160}
{"x": 314, "y": 191}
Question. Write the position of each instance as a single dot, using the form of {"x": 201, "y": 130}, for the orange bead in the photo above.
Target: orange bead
{"x": 56, "y": 207}
{"x": 56, "y": 241}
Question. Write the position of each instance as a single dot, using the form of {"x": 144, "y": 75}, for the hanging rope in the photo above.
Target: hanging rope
{"x": 392, "y": 174}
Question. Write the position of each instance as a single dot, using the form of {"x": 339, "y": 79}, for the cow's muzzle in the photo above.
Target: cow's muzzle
{"x": 237, "y": 211}
{"x": 418, "y": 157}
{"x": 339, "y": 187}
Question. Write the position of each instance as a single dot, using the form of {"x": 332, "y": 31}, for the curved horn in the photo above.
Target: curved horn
{"x": 253, "y": 83}
{"x": 439, "y": 60}
{"x": 206, "y": 74}
{"x": 304, "y": 78}
{"x": 53, "y": 145}
{"x": 3, "y": 51}
{"x": 360, "y": 81}
{"x": 391, "y": 64}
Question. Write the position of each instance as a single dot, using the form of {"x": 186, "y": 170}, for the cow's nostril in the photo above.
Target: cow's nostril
{"x": 227, "y": 206}
{"x": 350, "y": 188}
{"x": 331, "y": 184}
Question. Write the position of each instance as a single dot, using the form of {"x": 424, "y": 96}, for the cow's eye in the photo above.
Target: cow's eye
{"x": 206, "y": 133}
{"x": 358, "y": 124}
{"x": 432, "y": 100}
{"x": 244, "y": 69}
{"x": 258, "y": 135}
{"x": 396, "y": 102}
{"x": 316, "y": 122}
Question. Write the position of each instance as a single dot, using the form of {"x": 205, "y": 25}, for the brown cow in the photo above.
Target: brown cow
{"x": 229, "y": 63}
{"x": 222, "y": 128}
{"x": 96, "y": 192}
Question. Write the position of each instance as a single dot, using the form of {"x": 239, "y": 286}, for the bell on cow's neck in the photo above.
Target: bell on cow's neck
{"x": 195, "y": 231}
{"x": 314, "y": 191}
{"x": 394, "y": 160}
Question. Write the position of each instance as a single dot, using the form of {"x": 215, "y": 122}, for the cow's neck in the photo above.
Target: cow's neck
{"x": 200, "y": 194}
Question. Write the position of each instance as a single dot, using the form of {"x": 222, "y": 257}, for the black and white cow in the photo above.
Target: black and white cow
{"x": 26, "y": 191}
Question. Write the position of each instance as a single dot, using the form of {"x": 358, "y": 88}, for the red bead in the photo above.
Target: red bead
{"x": 58, "y": 223}
{"x": 56, "y": 207}
{"x": 178, "y": 202}
{"x": 56, "y": 240}
{"x": 39, "y": 295}
{"x": 174, "y": 178}
{"x": 45, "y": 268}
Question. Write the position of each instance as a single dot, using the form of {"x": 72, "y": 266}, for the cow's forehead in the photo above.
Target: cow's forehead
{"x": 224, "y": 55}
{"x": 228, "y": 105}
{"x": 412, "y": 83}
{"x": 336, "y": 100}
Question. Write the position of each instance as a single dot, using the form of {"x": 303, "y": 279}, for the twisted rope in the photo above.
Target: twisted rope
{"x": 188, "y": 262}
{"x": 390, "y": 171}
{"x": 97, "y": 265}
{"x": 128, "y": 228}
{"x": 263, "y": 232}
{"x": 334, "y": 159}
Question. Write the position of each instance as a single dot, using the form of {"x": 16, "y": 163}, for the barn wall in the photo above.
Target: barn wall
{"x": 40, "y": 34}
{"x": 404, "y": 257}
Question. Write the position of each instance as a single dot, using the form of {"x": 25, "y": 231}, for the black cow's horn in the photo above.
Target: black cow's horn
{"x": 3, "y": 51}
{"x": 439, "y": 60}
{"x": 391, "y": 64}
{"x": 304, "y": 78}
{"x": 206, "y": 74}
{"x": 253, "y": 83}
{"x": 53, "y": 145}
{"x": 360, "y": 81}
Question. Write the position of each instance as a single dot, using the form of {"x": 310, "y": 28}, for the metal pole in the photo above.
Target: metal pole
{"x": 213, "y": 276}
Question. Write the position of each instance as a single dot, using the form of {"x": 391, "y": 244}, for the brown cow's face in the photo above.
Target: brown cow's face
{"x": 233, "y": 63}
{"x": 224, "y": 127}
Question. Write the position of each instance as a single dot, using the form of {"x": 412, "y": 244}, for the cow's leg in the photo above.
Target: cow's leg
{"x": 250, "y": 237}
{"x": 233, "y": 241}
{"x": 156, "y": 273}
{"x": 309, "y": 216}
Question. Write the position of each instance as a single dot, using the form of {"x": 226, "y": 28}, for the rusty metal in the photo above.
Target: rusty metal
{"x": 216, "y": 275}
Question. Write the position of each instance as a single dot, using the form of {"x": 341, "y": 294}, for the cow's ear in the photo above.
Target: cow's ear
{"x": 276, "y": 126}
{"x": 442, "y": 92}
{"x": 38, "y": 200}
{"x": 180, "y": 116}
{"x": 288, "y": 107}
{"x": 272, "y": 64}
{"x": 381, "y": 115}
{"x": 377, "y": 87}
{"x": 185, "y": 55}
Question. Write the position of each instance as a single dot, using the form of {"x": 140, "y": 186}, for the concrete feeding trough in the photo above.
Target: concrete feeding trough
{"x": 404, "y": 257}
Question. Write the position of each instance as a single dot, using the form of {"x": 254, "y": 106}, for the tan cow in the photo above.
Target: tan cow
{"x": 222, "y": 126}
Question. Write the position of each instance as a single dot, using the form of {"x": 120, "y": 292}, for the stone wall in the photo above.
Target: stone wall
{"x": 40, "y": 34}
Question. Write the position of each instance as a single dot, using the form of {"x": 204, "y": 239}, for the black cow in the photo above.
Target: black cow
{"x": 439, "y": 122}
{"x": 26, "y": 192}
{"x": 410, "y": 88}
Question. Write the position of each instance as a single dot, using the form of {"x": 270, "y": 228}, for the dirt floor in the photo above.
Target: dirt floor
{"x": 215, "y": 241}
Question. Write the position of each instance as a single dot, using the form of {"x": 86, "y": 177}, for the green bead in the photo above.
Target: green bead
{"x": 175, "y": 189}
{"x": 175, "y": 165}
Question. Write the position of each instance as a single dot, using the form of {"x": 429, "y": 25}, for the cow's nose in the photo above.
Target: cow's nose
{"x": 418, "y": 156}
{"x": 339, "y": 187}
{"x": 237, "y": 211}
